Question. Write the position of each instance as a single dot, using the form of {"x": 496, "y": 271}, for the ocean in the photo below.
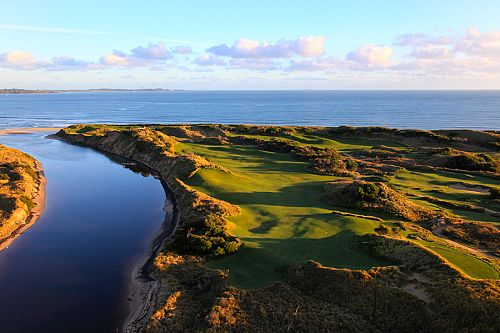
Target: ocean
{"x": 398, "y": 109}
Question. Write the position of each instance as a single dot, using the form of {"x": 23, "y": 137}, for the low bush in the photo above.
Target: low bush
{"x": 471, "y": 162}
{"x": 211, "y": 238}
{"x": 368, "y": 192}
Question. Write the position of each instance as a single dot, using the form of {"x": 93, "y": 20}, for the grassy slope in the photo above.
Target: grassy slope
{"x": 284, "y": 218}
{"x": 474, "y": 267}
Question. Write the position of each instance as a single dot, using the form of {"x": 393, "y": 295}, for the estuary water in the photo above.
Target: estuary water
{"x": 399, "y": 109}
{"x": 69, "y": 272}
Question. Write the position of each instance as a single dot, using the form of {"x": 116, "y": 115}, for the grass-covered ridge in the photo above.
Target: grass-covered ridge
{"x": 268, "y": 203}
{"x": 20, "y": 180}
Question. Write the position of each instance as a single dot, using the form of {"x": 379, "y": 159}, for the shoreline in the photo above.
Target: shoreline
{"x": 27, "y": 130}
{"x": 141, "y": 292}
{"x": 35, "y": 213}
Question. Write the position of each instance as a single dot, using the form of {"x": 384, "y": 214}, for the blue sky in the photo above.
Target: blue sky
{"x": 223, "y": 44}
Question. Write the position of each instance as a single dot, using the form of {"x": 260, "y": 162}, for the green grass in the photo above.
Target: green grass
{"x": 339, "y": 143}
{"x": 438, "y": 185}
{"x": 467, "y": 263}
{"x": 284, "y": 218}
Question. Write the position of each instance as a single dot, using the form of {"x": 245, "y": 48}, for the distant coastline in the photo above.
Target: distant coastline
{"x": 14, "y": 91}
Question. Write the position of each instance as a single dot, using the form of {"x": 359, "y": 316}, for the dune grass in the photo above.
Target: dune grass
{"x": 284, "y": 218}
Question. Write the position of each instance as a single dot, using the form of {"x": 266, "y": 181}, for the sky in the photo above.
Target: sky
{"x": 220, "y": 44}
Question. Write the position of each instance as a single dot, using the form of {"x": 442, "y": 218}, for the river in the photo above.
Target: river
{"x": 70, "y": 271}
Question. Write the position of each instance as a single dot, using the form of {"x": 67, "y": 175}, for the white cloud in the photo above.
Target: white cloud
{"x": 115, "y": 58}
{"x": 310, "y": 46}
{"x": 371, "y": 54}
{"x": 22, "y": 60}
{"x": 151, "y": 52}
{"x": 149, "y": 55}
{"x": 477, "y": 43}
{"x": 209, "y": 60}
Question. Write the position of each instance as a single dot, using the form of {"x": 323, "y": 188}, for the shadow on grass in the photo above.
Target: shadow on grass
{"x": 263, "y": 261}
{"x": 305, "y": 194}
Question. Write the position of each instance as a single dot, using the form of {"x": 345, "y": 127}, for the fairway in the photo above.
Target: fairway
{"x": 284, "y": 218}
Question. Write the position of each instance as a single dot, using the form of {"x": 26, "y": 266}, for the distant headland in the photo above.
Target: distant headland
{"x": 14, "y": 91}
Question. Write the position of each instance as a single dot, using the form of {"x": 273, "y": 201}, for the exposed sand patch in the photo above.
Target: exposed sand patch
{"x": 470, "y": 188}
{"x": 28, "y": 130}
{"x": 417, "y": 291}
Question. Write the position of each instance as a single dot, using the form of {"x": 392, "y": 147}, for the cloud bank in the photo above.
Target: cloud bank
{"x": 473, "y": 53}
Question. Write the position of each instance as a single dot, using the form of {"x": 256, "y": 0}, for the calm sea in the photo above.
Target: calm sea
{"x": 400, "y": 109}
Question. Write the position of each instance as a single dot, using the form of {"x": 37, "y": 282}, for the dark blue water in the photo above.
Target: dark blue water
{"x": 69, "y": 271}
{"x": 400, "y": 109}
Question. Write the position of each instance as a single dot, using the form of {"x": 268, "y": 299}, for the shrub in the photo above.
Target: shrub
{"x": 368, "y": 192}
{"x": 382, "y": 229}
{"x": 380, "y": 179}
{"x": 211, "y": 238}
{"x": 494, "y": 193}
{"x": 351, "y": 164}
{"x": 480, "y": 162}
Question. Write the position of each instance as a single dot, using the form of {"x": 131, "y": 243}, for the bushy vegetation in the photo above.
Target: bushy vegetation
{"x": 325, "y": 161}
{"x": 376, "y": 197}
{"x": 473, "y": 162}
{"x": 262, "y": 130}
{"x": 480, "y": 235}
{"x": 211, "y": 238}
{"x": 369, "y": 192}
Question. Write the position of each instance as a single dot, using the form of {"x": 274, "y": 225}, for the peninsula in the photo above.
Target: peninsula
{"x": 22, "y": 193}
{"x": 319, "y": 229}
